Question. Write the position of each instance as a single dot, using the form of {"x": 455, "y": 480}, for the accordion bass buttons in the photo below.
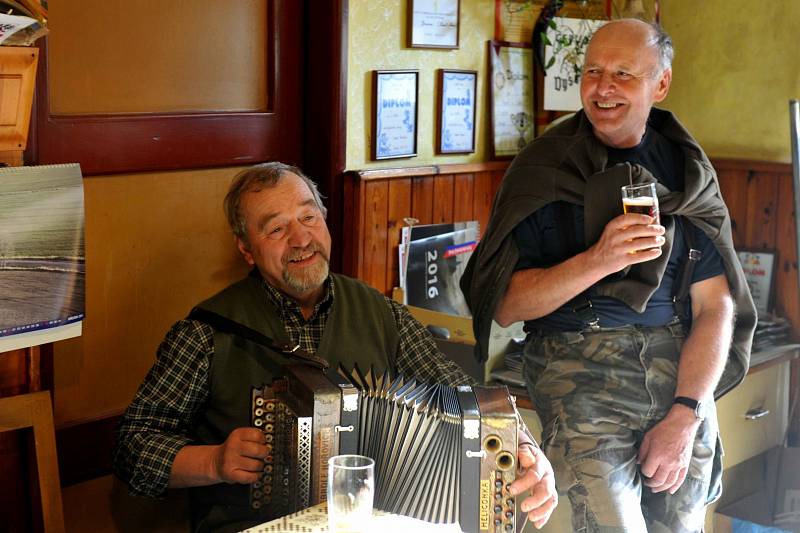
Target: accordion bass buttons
{"x": 263, "y": 417}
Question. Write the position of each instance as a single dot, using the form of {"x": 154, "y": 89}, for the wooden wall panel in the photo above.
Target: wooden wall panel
{"x": 786, "y": 283}
{"x": 733, "y": 184}
{"x": 463, "y": 193}
{"x": 375, "y": 235}
{"x": 399, "y": 208}
{"x": 482, "y": 197}
{"x": 422, "y": 199}
{"x": 762, "y": 193}
{"x": 377, "y": 201}
{"x": 443, "y": 199}
{"x": 760, "y": 197}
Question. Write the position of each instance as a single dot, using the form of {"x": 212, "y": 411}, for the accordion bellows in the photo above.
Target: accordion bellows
{"x": 442, "y": 454}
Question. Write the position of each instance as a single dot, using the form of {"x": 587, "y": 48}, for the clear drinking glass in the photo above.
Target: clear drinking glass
{"x": 641, "y": 199}
{"x": 351, "y": 490}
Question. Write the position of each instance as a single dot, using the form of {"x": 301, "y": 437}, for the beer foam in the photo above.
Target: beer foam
{"x": 641, "y": 200}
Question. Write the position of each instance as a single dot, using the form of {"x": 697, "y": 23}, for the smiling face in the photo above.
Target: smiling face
{"x": 621, "y": 81}
{"x": 287, "y": 238}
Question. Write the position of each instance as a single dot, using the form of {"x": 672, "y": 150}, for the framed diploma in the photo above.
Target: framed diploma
{"x": 511, "y": 97}
{"x": 394, "y": 113}
{"x": 759, "y": 271}
{"x": 456, "y": 111}
{"x": 432, "y": 23}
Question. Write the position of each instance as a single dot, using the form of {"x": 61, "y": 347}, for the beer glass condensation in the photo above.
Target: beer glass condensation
{"x": 641, "y": 199}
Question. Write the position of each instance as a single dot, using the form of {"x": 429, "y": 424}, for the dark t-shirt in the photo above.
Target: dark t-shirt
{"x": 543, "y": 244}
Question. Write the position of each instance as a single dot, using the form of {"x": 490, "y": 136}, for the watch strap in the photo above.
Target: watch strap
{"x": 688, "y": 402}
{"x": 692, "y": 404}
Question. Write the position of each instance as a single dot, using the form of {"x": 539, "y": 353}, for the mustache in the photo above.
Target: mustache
{"x": 299, "y": 253}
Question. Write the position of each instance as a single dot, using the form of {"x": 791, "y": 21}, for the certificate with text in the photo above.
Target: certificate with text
{"x": 512, "y": 106}
{"x": 395, "y": 114}
{"x": 457, "y": 111}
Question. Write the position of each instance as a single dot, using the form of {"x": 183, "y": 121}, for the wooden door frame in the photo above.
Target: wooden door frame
{"x": 325, "y": 98}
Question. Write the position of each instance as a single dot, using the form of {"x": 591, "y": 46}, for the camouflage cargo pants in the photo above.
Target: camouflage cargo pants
{"x": 597, "y": 396}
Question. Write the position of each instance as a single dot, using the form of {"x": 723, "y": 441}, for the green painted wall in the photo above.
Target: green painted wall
{"x": 737, "y": 64}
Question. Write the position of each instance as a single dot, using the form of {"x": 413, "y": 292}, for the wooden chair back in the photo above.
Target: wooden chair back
{"x": 34, "y": 411}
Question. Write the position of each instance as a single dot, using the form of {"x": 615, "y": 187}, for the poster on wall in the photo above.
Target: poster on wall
{"x": 565, "y": 48}
{"x": 511, "y": 92}
{"x": 42, "y": 255}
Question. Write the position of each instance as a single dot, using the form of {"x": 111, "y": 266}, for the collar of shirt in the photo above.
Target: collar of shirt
{"x": 287, "y": 305}
{"x": 305, "y": 333}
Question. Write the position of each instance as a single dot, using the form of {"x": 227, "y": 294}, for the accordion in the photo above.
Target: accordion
{"x": 442, "y": 454}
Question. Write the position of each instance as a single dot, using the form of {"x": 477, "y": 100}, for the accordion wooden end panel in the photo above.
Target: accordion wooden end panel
{"x": 442, "y": 454}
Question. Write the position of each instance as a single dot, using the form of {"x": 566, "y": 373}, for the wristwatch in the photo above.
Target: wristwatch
{"x": 695, "y": 405}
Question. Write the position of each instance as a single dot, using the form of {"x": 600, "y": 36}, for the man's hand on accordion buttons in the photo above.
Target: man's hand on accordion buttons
{"x": 536, "y": 474}
{"x": 240, "y": 459}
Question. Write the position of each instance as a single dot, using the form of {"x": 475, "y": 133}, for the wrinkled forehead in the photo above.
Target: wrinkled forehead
{"x": 621, "y": 43}
{"x": 289, "y": 192}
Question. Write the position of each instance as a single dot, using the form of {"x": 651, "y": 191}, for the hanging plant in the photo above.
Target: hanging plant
{"x": 540, "y": 38}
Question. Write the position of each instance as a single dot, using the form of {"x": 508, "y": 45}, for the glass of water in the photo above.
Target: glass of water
{"x": 351, "y": 490}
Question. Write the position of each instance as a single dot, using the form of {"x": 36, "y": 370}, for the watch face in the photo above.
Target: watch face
{"x": 700, "y": 410}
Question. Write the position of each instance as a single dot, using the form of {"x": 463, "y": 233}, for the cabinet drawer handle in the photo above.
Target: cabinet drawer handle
{"x": 754, "y": 414}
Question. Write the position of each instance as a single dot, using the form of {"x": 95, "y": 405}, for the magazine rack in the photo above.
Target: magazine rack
{"x": 459, "y": 328}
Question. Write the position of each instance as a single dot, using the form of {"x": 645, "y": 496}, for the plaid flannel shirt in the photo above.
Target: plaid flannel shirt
{"x": 157, "y": 423}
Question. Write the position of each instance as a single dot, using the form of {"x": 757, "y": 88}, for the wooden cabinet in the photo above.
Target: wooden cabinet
{"x": 753, "y": 417}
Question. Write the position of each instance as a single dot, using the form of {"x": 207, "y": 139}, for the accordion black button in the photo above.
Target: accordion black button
{"x": 498, "y": 509}
{"x": 498, "y": 484}
{"x": 510, "y": 502}
{"x": 509, "y": 515}
{"x": 509, "y": 527}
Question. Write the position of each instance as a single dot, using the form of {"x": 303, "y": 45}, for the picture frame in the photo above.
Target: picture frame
{"x": 455, "y": 111}
{"x": 394, "y": 113}
{"x": 511, "y": 98}
{"x": 759, "y": 271}
{"x": 433, "y": 23}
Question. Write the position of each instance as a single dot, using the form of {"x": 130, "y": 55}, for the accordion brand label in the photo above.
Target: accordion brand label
{"x": 325, "y": 442}
{"x": 472, "y": 429}
{"x": 485, "y": 504}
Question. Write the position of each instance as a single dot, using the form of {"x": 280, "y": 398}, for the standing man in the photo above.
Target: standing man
{"x": 188, "y": 425}
{"x": 637, "y": 339}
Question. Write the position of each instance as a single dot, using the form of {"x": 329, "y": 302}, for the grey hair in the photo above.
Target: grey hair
{"x": 663, "y": 45}
{"x": 256, "y": 178}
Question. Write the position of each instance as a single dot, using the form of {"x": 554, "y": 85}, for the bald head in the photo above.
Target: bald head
{"x": 646, "y": 34}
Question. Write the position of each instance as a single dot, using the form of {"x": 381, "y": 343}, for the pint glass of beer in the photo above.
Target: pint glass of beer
{"x": 641, "y": 199}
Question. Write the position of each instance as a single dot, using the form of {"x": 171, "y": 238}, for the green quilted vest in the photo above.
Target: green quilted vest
{"x": 359, "y": 330}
